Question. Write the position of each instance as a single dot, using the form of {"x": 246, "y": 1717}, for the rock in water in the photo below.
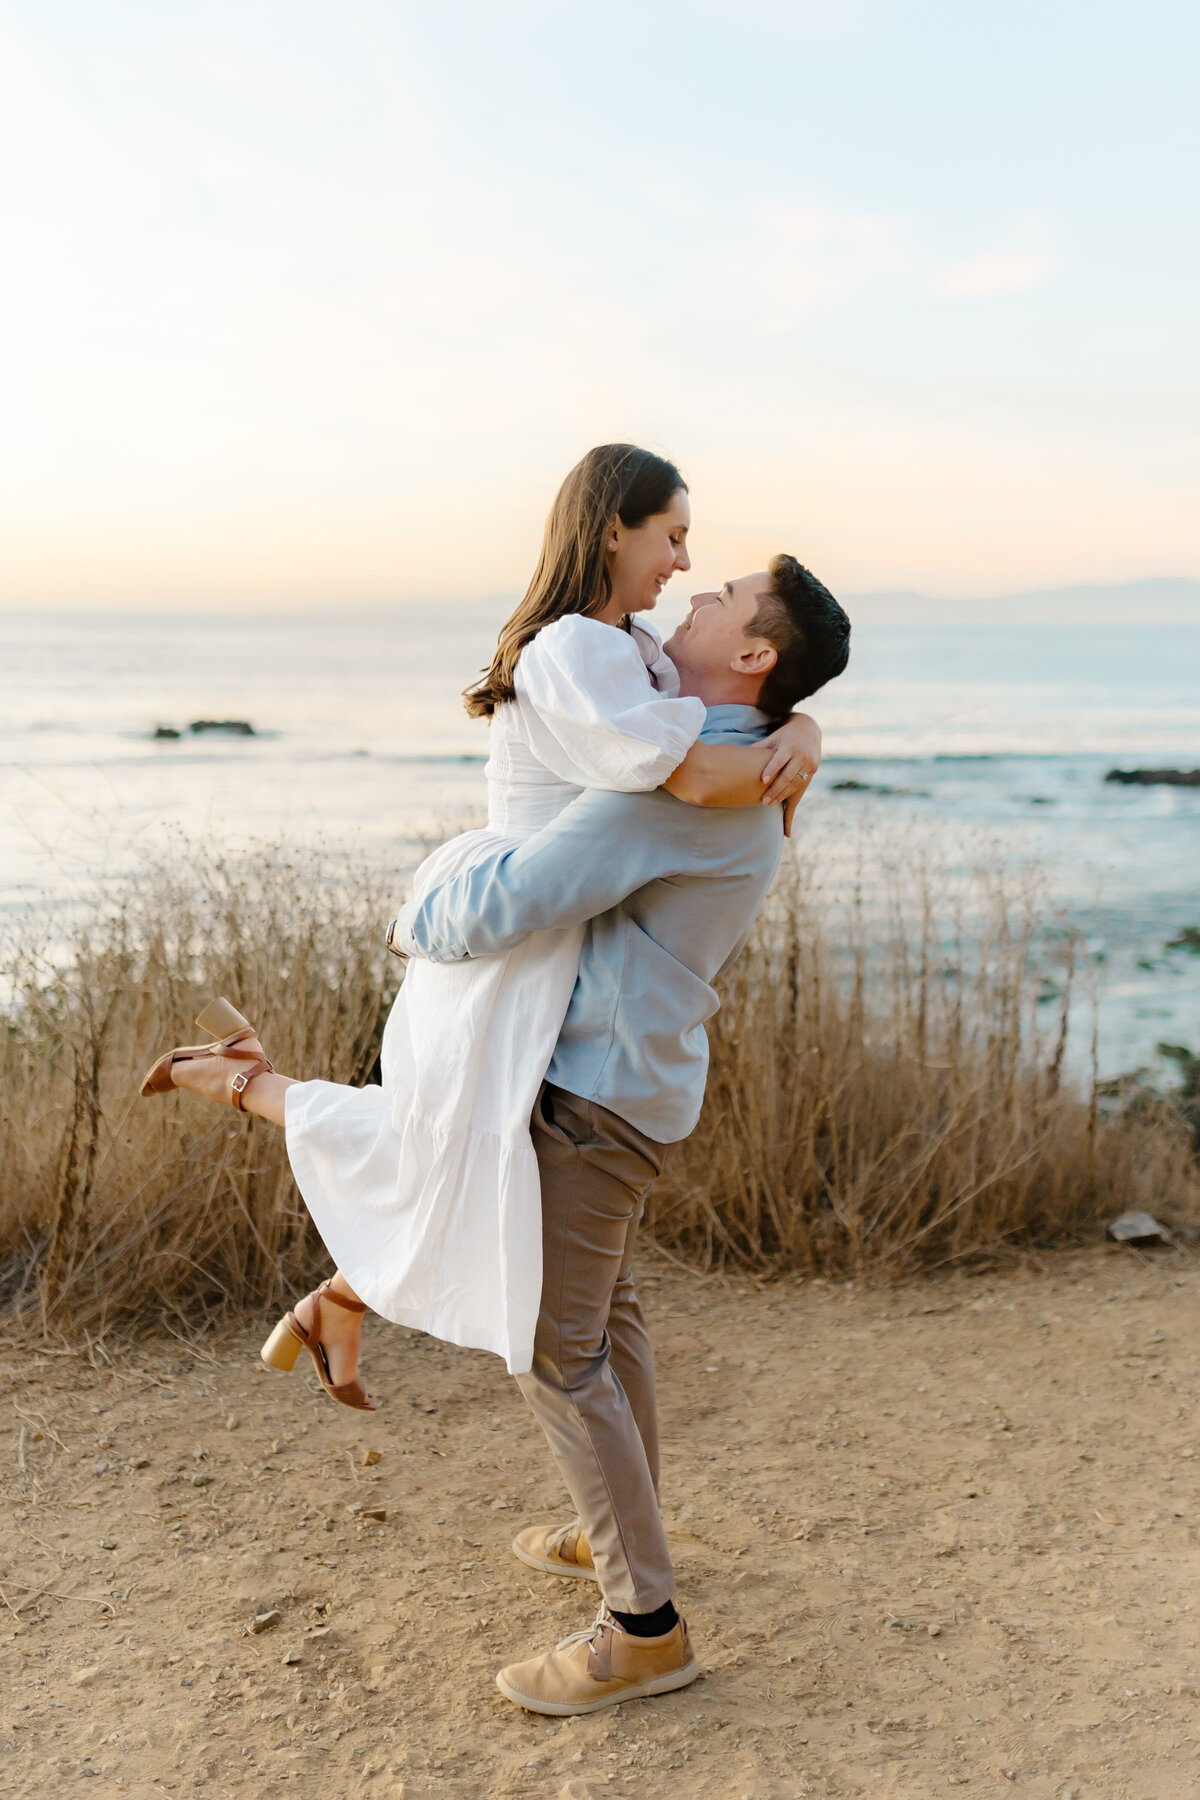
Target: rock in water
{"x": 231, "y": 727}
{"x": 873, "y": 787}
{"x": 1155, "y": 777}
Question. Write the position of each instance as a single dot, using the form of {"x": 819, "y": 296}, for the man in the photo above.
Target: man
{"x": 670, "y": 892}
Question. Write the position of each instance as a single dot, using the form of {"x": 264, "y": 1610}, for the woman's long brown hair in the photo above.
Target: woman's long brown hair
{"x": 614, "y": 481}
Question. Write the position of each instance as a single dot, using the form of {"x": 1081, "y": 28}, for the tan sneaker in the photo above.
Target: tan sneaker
{"x": 564, "y": 1551}
{"x": 600, "y": 1667}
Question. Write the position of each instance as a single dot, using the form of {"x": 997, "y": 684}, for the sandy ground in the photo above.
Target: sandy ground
{"x": 942, "y": 1536}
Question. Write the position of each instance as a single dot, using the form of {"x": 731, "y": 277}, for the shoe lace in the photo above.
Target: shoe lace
{"x": 592, "y": 1633}
{"x": 558, "y": 1538}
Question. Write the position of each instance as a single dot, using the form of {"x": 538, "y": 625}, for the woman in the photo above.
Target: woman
{"x": 425, "y": 1189}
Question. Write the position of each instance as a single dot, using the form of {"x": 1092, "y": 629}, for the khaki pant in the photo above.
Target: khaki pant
{"x": 592, "y": 1381}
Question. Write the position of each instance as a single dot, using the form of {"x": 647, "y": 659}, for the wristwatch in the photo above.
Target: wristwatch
{"x": 392, "y": 945}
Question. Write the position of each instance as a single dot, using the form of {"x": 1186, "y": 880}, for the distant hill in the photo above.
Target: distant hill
{"x": 1159, "y": 601}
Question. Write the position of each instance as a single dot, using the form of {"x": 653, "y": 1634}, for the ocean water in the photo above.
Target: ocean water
{"x": 993, "y": 740}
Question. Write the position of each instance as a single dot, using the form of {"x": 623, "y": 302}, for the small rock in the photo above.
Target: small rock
{"x": 139, "y": 1462}
{"x": 203, "y": 1479}
{"x": 84, "y": 1677}
{"x": 935, "y": 1631}
{"x": 369, "y": 1458}
{"x": 291, "y": 1657}
{"x": 100, "y": 1468}
{"x": 277, "y": 1448}
{"x": 231, "y": 1423}
{"x": 108, "y": 1543}
{"x": 1137, "y": 1228}
{"x": 499, "y": 1505}
{"x": 265, "y": 1621}
{"x": 104, "y": 1443}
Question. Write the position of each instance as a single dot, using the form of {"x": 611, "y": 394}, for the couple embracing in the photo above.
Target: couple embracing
{"x": 548, "y": 1041}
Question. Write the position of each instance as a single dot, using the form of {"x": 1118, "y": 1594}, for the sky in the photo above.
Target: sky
{"x": 311, "y": 305}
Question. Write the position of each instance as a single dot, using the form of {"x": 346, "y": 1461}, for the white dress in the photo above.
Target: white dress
{"x": 425, "y": 1190}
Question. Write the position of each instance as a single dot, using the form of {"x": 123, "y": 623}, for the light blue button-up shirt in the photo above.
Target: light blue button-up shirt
{"x": 670, "y": 892}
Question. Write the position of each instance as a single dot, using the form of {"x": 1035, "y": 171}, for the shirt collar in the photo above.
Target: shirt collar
{"x": 730, "y": 716}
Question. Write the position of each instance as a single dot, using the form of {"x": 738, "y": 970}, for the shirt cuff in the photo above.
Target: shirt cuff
{"x": 400, "y": 939}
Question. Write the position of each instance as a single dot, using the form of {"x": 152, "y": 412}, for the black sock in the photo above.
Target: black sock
{"x": 664, "y": 1618}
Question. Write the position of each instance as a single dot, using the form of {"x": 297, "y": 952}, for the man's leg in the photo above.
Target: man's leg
{"x": 565, "y": 1550}
{"x": 595, "y": 1172}
{"x": 631, "y": 1355}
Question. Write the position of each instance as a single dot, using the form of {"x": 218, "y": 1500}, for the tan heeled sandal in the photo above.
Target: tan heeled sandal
{"x": 289, "y": 1338}
{"x": 230, "y": 1029}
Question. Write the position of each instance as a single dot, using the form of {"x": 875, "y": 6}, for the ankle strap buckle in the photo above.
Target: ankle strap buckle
{"x": 241, "y": 1081}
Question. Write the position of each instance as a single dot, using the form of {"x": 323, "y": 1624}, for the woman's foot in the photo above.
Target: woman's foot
{"x": 211, "y": 1077}
{"x": 341, "y": 1331}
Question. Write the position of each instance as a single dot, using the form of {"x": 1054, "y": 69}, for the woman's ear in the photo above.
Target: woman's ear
{"x": 613, "y": 542}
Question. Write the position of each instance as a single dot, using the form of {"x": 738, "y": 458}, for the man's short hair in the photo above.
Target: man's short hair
{"x": 809, "y": 630}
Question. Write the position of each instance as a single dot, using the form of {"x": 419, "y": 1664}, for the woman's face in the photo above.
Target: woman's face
{"x": 642, "y": 558}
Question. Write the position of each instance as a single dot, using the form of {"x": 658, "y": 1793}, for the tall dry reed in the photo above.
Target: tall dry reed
{"x": 892, "y": 1091}
{"x": 882, "y": 1095}
{"x": 112, "y": 1206}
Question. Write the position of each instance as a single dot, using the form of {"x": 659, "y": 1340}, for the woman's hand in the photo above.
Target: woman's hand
{"x": 794, "y": 760}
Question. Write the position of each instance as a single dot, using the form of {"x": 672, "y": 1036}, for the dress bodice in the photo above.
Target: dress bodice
{"x": 595, "y": 707}
{"x": 523, "y": 794}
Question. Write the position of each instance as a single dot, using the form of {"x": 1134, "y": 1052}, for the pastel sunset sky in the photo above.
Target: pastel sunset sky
{"x": 309, "y": 304}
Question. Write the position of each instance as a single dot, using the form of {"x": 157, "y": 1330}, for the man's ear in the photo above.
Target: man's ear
{"x": 757, "y": 656}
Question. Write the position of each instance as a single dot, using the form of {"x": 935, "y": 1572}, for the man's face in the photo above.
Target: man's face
{"x": 715, "y": 637}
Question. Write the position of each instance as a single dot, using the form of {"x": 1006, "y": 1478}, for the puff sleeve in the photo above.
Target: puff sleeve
{"x": 591, "y": 713}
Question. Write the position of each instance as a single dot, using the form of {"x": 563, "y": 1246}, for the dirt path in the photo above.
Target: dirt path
{"x": 938, "y": 1537}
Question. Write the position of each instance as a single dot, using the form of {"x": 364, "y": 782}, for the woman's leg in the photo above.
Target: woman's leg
{"x": 265, "y": 1096}
{"x": 341, "y": 1330}
{"x": 209, "y": 1078}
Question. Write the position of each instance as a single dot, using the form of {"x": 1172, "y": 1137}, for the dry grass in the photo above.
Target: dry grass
{"x": 892, "y": 1094}
{"x": 878, "y": 1098}
{"x": 111, "y": 1206}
